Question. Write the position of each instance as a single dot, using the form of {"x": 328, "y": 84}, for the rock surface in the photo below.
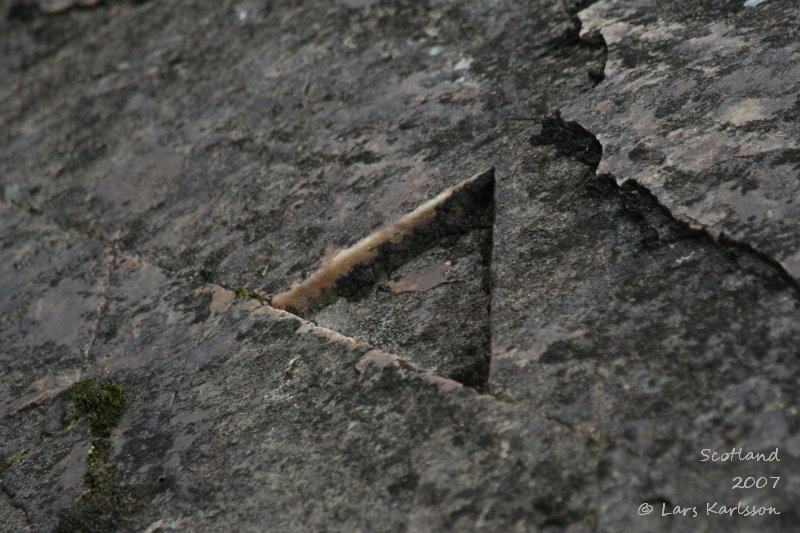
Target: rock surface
{"x": 702, "y": 106}
{"x": 168, "y": 166}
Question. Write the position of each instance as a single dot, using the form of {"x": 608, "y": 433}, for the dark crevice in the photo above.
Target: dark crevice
{"x": 23, "y": 11}
{"x": 477, "y": 375}
{"x": 596, "y": 40}
{"x": 638, "y": 198}
{"x": 570, "y": 139}
{"x": 571, "y": 37}
{"x": 573, "y": 140}
{"x": 478, "y": 379}
{"x": 462, "y": 222}
{"x": 469, "y": 209}
{"x": 575, "y": 6}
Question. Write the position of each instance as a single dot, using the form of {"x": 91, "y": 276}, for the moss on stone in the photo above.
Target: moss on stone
{"x": 11, "y": 460}
{"x": 105, "y": 504}
{"x": 101, "y": 401}
{"x": 513, "y": 400}
{"x": 243, "y": 292}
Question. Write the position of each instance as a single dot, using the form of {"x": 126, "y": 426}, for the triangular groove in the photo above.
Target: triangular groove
{"x": 418, "y": 287}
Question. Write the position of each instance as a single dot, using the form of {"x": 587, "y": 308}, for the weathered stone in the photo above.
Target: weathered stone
{"x": 701, "y": 105}
{"x": 444, "y": 289}
{"x": 652, "y": 341}
{"x": 166, "y": 167}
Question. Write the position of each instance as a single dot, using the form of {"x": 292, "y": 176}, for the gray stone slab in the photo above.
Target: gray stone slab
{"x": 165, "y": 167}
{"x": 700, "y": 105}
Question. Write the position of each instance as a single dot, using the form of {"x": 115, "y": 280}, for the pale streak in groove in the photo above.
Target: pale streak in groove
{"x": 302, "y": 295}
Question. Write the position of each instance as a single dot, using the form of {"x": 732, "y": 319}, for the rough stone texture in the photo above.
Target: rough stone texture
{"x": 701, "y": 105}
{"x": 407, "y": 314}
{"x": 244, "y": 417}
{"x": 244, "y": 140}
{"x": 648, "y": 339}
{"x": 156, "y": 155}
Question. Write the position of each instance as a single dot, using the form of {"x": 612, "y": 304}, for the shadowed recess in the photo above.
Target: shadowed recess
{"x": 456, "y": 210}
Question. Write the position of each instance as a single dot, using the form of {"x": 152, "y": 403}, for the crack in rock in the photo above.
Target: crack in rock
{"x": 704, "y": 116}
{"x": 572, "y": 139}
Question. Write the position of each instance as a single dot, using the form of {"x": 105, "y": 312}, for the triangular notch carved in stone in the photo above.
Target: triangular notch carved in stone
{"x": 418, "y": 287}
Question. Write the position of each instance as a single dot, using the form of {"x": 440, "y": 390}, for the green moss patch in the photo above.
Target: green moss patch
{"x": 10, "y": 461}
{"x": 105, "y": 504}
{"x": 100, "y": 401}
{"x": 243, "y": 292}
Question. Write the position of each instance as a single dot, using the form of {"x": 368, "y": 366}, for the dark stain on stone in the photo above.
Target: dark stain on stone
{"x": 643, "y": 153}
{"x": 570, "y": 139}
{"x": 789, "y": 156}
{"x": 201, "y": 305}
{"x": 408, "y": 482}
{"x": 22, "y": 11}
